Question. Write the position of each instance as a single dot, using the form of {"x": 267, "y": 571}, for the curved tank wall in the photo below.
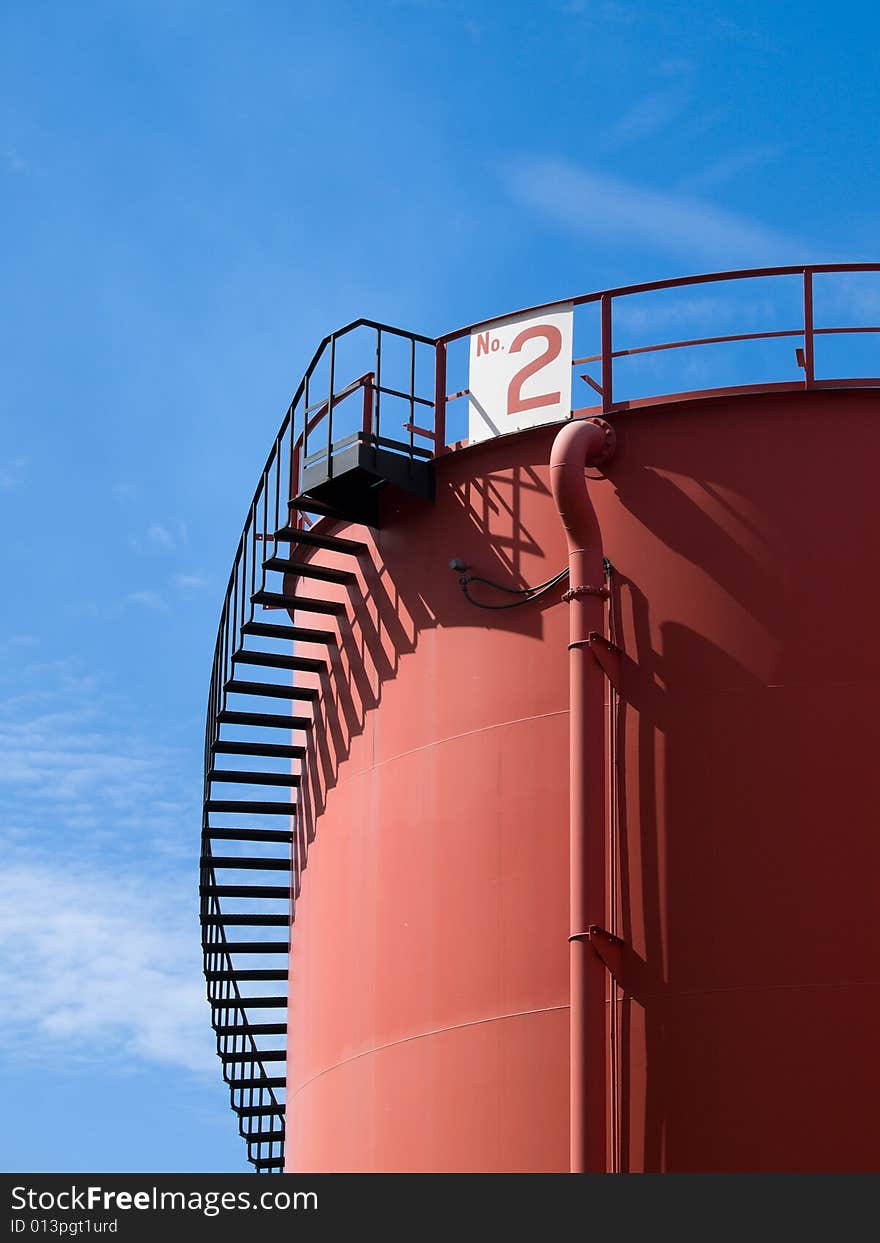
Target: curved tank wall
{"x": 429, "y": 967}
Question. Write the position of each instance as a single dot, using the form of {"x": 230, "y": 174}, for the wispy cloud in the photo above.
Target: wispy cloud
{"x": 606, "y": 209}
{"x": 160, "y": 537}
{"x": 18, "y": 642}
{"x": 99, "y": 944}
{"x": 190, "y": 582}
{"x": 76, "y": 774}
{"x": 645, "y": 117}
{"x": 14, "y": 162}
{"x": 148, "y": 599}
{"x": 602, "y": 11}
{"x": 728, "y": 167}
{"x": 12, "y": 473}
{"x": 99, "y": 966}
{"x": 108, "y": 804}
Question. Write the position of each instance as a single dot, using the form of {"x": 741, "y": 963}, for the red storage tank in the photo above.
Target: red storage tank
{"x": 428, "y": 1023}
{"x": 429, "y": 965}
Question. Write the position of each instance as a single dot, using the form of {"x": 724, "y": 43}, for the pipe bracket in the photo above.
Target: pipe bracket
{"x": 608, "y": 656}
{"x": 608, "y": 947}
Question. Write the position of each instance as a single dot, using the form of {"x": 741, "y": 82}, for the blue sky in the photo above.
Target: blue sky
{"x": 193, "y": 194}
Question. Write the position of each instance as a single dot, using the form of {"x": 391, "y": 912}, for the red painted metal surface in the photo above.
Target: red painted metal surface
{"x": 429, "y": 1025}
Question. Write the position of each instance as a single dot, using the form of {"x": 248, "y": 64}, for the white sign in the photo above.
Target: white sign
{"x": 520, "y": 372}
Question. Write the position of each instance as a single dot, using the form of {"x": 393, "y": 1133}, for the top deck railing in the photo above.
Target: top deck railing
{"x": 374, "y": 380}
{"x": 613, "y": 324}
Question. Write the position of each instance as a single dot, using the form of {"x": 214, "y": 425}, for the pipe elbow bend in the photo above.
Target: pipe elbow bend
{"x": 580, "y": 443}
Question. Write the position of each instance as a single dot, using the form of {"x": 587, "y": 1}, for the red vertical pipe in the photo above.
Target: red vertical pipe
{"x": 582, "y": 443}
{"x": 367, "y": 420}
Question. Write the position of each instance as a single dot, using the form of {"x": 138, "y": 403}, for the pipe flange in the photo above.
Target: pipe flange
{"x": 574, "y": 592}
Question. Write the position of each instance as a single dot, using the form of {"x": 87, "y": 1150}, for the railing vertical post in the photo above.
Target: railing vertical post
{"x": 305, "y": 435}
{"x": 265, "y": 529}
{"x": 292, "y": 480}
{"x": 607, "y": 355}
{"x": 330, "y": 407}
{"x": 294, "y": 484}
{"x": 253, "y": 522}
{"x": 412, "y": 395}
{"x": 378, "y": 380}
{"x": 809, "y": 358}
{"x": 439, "y": 398}
{"x": 277, "y": 494}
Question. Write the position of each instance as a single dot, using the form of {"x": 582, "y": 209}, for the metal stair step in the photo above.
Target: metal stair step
{"x": 311, "y": 539}
{"x": 245, "y": 891}
{"x": 308, "y": 569}
{"x": 262, "y": 1055}
{"x": 282, "y": 836}
{"x": 252, "y": 808}
{"x": 277, "y": 660}
{"x": 262, "y": 1003}
{"x": 258, "y": 919}
{"x": 265, "y": 1137}
{"x": 269, "y": 973}
{"x": 302, "y": 634}
{"x": 258, "y": 1111}
{"x": 306, "y": 604}
{"x": 253, "y": 947}
{"x": 243, "y": 777}
{"x": 263, "y": 720}
{"x": 267, "y": 1163}
{"x": 311, "y": 505}
{"x": 281, "y": 750}
{"x": 251, "y": 1029}
{"x": 251, "y": 863}
{"x": 265, "y": 1081}
{"x": 270, "y": 690}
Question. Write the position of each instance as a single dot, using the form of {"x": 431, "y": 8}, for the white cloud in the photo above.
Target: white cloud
{"x": 728, "y": 167}
{"x": 80, "y": 771}
{"x": 14, "y": 162}
{"x": 99, "y": 941}
{"x": 100, "y": 966}
{"x": 148, "y": 598}
{"x": 68, "y": 778}
{"x": 159, "y": 536}
{"x": 99, "y": 828}
{"x": 12, "y": 473}
{"x": 18, "y": 642}
{"x": 645, "y": 117}
{"x": 190, "y": 582}
{"x": 605, "y": 209}
{"x": 694, "y": 315}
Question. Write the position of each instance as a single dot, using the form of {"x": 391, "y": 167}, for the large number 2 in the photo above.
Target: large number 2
{"x": 516, "y": 403}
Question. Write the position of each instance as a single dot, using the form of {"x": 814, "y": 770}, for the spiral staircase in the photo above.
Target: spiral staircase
{"x": 280, "y": 630}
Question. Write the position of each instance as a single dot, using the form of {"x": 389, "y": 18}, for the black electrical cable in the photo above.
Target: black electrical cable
{"x": 527, "y": 593}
